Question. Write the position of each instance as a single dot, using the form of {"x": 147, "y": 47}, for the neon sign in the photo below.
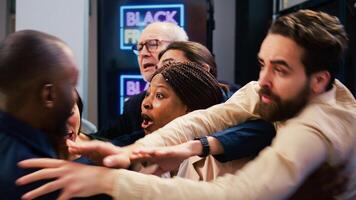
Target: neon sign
{"x": 133, "y": 19}
{"x": 129, "y": 86}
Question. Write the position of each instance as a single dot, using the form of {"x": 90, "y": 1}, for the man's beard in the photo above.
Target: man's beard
{"x": 278, "y": 110}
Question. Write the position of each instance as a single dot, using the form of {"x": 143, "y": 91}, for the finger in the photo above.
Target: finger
{"x": 40, "y": 163}
{"x": 141, "y": 155}
{"x": 87, "y": 148}
{"x": 141, "y": 158}
{"x": 73, "y": 150}
{"x": 72, "y": 146}
{"x": 44, "y": 189}
{"x": 70, "y": 143}
{"x": 103, "y": 148}
{"x": 144, "y": 150}
{"x": 38, "y": 175}
{"x": 79, "y": 147}
{"x": 136, "y": 156}
{"x": 164, "y": 153}
{"x": 118, "y": 161}
{"x": 152, "y": 156}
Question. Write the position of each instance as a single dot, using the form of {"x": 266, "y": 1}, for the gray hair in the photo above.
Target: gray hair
{"x": 173, "y": 31}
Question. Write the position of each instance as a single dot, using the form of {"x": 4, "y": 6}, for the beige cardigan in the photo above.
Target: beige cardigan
{"x": 325, "y": 130}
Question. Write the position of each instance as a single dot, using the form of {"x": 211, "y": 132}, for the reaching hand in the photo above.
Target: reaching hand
{"x": 166, "y": 158}
{"x": 101, "y": 153}
{"x": 75, "y": 180}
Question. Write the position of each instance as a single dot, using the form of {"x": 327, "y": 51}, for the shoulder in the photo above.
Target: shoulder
{"x": 13, "y": 149}
{"x": 250, "y": 89}
{"x": 332, "y": 123}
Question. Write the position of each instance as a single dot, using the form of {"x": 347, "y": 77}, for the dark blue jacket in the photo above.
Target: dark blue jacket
{"x": 19, "y": 141}
{"x": 244, "y": 140}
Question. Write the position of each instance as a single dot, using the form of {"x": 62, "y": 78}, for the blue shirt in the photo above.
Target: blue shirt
{"x": 244, "y": 140}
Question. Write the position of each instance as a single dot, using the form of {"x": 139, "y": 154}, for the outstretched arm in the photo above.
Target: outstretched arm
{"x": 244, "y": 140}
{"x": 103, "y": 153}
{"x": 75, "y": 180}
{"x": 275, "y": 174}
{"x": 281, "y": 160}
{"x": 239, "y": 108}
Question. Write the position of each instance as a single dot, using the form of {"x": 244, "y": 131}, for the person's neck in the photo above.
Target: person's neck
{"x": 16, "y": 108}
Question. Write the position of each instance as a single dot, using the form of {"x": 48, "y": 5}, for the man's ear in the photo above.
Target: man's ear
{"x": 206, "y": 67}
{"x": 319, "y": 81}
{"x": 48, "y": 95}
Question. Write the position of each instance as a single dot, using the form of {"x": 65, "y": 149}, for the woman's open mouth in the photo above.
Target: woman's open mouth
{"x": 146, "y": 122}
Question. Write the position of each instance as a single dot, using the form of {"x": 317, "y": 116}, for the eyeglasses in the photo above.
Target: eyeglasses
{"x": 151, "y": 45}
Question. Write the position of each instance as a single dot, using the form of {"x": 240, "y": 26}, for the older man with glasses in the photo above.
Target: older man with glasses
{"x": 154, "y": 38}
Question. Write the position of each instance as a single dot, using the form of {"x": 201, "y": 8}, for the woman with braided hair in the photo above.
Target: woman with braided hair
{"x": 176, "y": 89}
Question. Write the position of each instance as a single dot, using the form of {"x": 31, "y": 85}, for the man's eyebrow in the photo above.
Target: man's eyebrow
{"x": 281, "y": 62}
{"x": 275, "y": 62}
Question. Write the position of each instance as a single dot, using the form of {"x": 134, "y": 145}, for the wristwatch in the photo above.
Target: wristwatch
{"x": 205, "y": 144}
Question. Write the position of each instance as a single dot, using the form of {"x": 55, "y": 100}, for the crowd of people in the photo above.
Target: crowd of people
{"x": 289, "y": 135}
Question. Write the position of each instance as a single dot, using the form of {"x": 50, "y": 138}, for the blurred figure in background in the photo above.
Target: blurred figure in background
{"x": 75, "y": 120}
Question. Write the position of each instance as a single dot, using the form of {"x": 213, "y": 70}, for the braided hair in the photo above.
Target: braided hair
{"x": 197, "y": 88}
